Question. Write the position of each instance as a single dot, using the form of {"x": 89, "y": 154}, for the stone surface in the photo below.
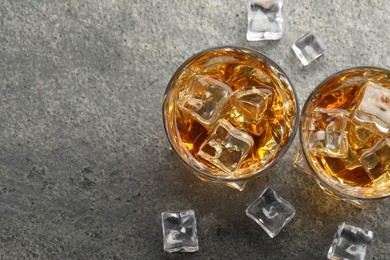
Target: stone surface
{"x": 85, "y": 169}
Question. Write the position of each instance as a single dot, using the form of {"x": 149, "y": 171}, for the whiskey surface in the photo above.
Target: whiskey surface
{"x": 346, "y": 129}
{"x": 230, "y": 113}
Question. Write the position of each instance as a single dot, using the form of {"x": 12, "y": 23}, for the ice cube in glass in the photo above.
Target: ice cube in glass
{"x": 271, "y": 212}
{"x": 205, "y": 100}
{"x": 375, "y": 160}
{"x": 247, "y": 109}
{"x": 373, "y": 109}
{"x": 327, "y": 134}
{"x": 226, "y": 147}
{"x": 179, "y": 231}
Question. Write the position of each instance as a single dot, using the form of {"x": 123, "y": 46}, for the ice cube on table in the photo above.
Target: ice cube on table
{"x": 226, "y": 147}
{"x": 271, "y": 212}
{"x": 247, "y": 109}
{"x": 373, "y": 109}
{"x": 265, "y": 20}
{"x": 308, "y": 48}
{"x": 332, "y": 141}
{"x": 376, "y": 161}
{"x": 350, "y": 243}
{"x": 205, "y": 100}
{"x": 179, "y": 231}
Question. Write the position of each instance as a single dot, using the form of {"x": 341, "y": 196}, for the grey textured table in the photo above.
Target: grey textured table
{"x": 85, "y": 169}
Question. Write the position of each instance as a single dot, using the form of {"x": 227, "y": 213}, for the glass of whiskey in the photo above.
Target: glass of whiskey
{"x": 230, "y": 113}
{"x": 345, "y": 134}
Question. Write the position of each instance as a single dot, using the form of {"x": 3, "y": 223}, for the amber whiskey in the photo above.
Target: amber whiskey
{"x": 346, "y": 129}
{"x": 229, "y": 113}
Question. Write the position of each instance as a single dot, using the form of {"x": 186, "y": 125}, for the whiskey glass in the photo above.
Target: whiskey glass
{"x": 230, "y": 113}
{"x": 345, "y": 135}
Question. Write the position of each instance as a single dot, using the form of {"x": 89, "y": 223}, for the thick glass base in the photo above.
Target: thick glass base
{"x": 302, "y": 165}
{"x": 238, "y": 185}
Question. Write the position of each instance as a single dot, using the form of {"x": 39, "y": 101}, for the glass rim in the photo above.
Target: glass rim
{"x": 281, "y": 152}
{"x": 324, "y": 183}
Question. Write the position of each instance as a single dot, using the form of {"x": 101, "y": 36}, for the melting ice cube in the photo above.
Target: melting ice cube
{"x": 252, "y": 101}
{"x": 226, "y": 147}
{"x": 265, "y": 20}
{"x": 206, "y": 99}
{"x": 362, "y": 136}
{"x": 179, "y": 231}
{"x": 248, "y": 76}
{"x": 376, "y": 161}
{"x": 350, "y": 243}
{"x": 271, "y": 212}
{"x": 373, "y": 110}
{"x": 352, "y": 160}
{"x": 332, "y": 141}
{"x": 248, "y": 107}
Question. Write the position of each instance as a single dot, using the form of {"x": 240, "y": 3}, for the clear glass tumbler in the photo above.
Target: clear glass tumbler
{"x": 345, "y": 135}
{"x": 229, "y": 113}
